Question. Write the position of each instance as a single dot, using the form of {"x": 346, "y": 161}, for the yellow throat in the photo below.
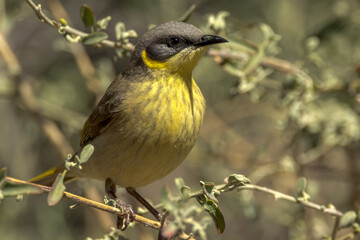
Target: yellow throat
{"x": 163, "y": 115}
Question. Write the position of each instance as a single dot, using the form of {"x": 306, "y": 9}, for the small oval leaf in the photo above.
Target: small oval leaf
{"x": 103, "y": 23}
{"x": 185, "y": 192}
{"x": 238, "y": 178}
{"x": 179, "y": 182}
{"x": 208, "y": 190}
{"x": 86, "y": 153}
{"x": 57, "y": 190}
{"x": 94, "y": 38}
{"x": 300, "y": 189}
{"x": 301, "y": 185}
{"x": 348, "y": 219}
{"x": 87, "y": 16}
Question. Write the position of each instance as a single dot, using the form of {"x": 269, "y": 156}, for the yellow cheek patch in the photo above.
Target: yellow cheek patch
{"x": 181, "y": 63}
{"x": 150, "y": 63}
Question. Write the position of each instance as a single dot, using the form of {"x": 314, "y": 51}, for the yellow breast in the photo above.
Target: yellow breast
{"x": 161, "y": 116}
{"x": 167, "y": 113}
{"x": 159, "y": 124}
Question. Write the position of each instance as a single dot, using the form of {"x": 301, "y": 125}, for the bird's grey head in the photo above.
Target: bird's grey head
{"x": 166, "y": 40}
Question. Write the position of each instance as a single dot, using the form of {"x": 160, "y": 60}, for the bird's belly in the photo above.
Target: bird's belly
{"x": 150, "y": 140}
{"x": 132, "y": 163}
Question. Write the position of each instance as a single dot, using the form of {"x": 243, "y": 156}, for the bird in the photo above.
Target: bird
{"x": 150, "y": 116}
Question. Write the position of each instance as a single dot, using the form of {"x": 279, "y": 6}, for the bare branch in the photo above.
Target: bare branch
{"x": 90, "y": 203}
{"x": 278, "y": 195}
{"x": 100, "y": 206}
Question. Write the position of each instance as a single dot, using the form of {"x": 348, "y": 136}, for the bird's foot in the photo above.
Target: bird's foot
{"x": 128, "y": 215}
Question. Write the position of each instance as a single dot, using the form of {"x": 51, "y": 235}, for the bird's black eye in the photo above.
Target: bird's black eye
{"x": 173, "y": 42}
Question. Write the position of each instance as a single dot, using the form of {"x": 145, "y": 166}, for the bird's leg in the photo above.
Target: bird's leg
{"x": 145, "y": 203}
{"x": 129, "y": 215}
{"x": 160, "y": 217}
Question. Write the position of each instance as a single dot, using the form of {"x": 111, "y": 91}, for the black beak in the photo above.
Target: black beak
{"x": 210, "y": 39}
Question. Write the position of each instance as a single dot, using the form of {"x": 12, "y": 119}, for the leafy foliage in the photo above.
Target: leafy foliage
{"x": 317, "y": 93}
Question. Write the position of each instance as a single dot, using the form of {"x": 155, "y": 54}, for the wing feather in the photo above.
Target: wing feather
{"x": 105, "y": 112}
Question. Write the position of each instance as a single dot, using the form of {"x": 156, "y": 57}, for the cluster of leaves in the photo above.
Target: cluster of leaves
{"x": 307, "y": 102}
{"x": 188, "y": 214}
{"x": 58, "y": 188}
{"x": 9, "y": 189}
{"x": 97, "y": 33}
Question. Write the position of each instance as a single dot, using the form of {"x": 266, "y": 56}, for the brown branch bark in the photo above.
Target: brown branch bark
{"x": 280, "y": 196}
{"x": 100, "y": 206}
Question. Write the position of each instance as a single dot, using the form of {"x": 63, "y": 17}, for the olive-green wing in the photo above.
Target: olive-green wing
{"x": 104, "y": 114}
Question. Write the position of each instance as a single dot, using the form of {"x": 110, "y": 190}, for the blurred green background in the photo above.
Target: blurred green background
{"x": 239, "y": 135}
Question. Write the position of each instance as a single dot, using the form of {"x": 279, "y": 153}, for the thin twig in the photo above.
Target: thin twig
{"x": 90, "y": 203}
{"x": 100, "y": 206}
{"x": 105, "y": 43}
{"x": 271, "y": 62}
{"x": 275, "y": 63}
{"x": 277, "y": 196}
{"x": 9, "y": 57}
{"x": 187, "y": 14}
{"x": 80, "y": 55}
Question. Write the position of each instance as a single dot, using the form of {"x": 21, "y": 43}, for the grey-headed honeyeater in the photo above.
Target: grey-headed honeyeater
{"x": 150, "y": 116}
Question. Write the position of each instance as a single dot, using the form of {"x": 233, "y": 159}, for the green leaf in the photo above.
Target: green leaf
{"x": 166, "y": 200}
{"x": 217, "y": 22}
{"x": 57, "y": 190}
{"x": 347, "y": 219}
{"x": 236, "y": 179}
{"x": 185, "y": 192}
{"x": 130, "y": 34}
{"x": 86, "y": 153}
{"x": 179, "y": 182}
{"x": 300, "y": 189}
{"x": 87, "y": 16}
{"x": 94, "y": 38}
{"x": 14, "y": 189}
{"x": 103, "y": 23}
{"x": 301, "y": 185}
{"x": 208, "y": 190}
{"x": 119, "y": 29}
{"x": 356, "y": 228}
{"x": 211, "y": 207}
